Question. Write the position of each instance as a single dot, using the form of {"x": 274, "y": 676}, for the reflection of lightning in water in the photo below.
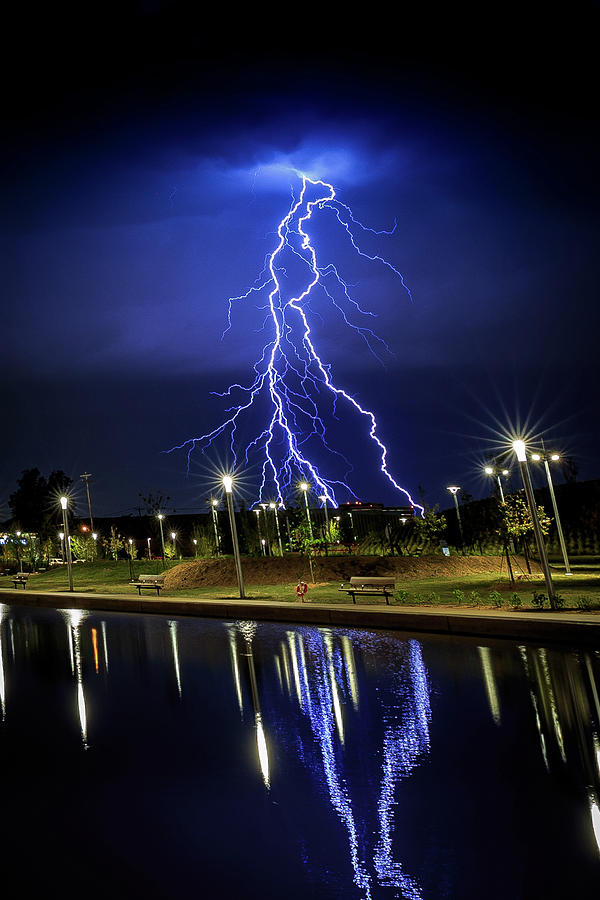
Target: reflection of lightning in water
{"x": 402, "y": 746}
{"x": 291, "y": 381}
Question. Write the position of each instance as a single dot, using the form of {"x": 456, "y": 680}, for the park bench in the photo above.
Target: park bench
{"x": 154, "y": 582}
{"x": 21, "y": 578}
{"x": 369, "y": 585}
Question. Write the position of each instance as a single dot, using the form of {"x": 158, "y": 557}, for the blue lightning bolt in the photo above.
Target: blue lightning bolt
{"x": 290, "y": 378}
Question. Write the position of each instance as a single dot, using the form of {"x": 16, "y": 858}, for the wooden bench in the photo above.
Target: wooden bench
{"x": 21, "y": 578}
{"x": 154, "y": 582}
{"x": 369, "y": 585}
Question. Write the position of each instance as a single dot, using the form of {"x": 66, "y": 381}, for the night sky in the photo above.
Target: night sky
{"x": 147, "y": 161}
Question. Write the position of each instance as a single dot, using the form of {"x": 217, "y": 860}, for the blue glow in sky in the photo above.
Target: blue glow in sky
{"x": 144, "y": 177}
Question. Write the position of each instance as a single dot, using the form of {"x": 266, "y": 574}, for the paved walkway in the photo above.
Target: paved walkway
{"x": 565, "y": 627}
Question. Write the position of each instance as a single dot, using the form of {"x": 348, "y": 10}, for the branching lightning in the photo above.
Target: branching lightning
{"x": 293, "y": 388}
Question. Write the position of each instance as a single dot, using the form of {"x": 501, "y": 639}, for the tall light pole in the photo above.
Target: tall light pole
{"x": 545, "y": 458}
{"x": 86, "y": 477}
{"x": 323, "y": 499}
{"x": 174, "y": 538}
{"x": 228, "y": 485}
{"x": 304, "y": 486}
{"x": 521, "y": 453}
{"x": 195, "y": 543}
{"x": 148, "y": 540}
{"x": 454, "y": 489}
{"x": 260, "y": 537}
{"x": 160, "y": 518}
{"x": 273, "y": 506}
{"x": 489, "y": 470}
{"x": 213, "y": 509}
{"x": 264, "y": 507}
{"x": 64, "y": 501}
{"x": 19, "y": 558}
{"x": 61, "y": 535}
{"x": 130, "y": 559}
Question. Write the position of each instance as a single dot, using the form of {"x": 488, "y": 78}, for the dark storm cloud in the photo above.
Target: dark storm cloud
{"x": 143, "y": 187}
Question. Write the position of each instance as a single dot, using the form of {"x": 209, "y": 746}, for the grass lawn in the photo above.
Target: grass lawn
{"x": 580, "y": 591}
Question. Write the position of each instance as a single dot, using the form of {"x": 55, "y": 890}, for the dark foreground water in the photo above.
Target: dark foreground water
{"x": 156, "y": 758}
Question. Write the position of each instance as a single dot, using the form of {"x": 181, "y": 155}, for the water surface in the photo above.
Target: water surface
{"x": 161, "y": 758}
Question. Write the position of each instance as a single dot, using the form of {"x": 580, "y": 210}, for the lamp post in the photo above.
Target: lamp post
{"x": 323, "y": 499}
{"x": 86, "y": 477}
{"x": 131, "y": 559}
{"x": 454, "y": 489}
{"x": 264, "y": 507}
{"x": 304, "y": 488}
{"x": 260, "y": 537}
{"x": 228, "y": 485}
{"x": 213, "y": 509}
{"x": 521, "y": 453}
{"x": 173, "y": 539}
{"x": 160, "y": 518}
{"x": 545, "y": 458}
{"x": 61, "y": 535}
{"x": 64, "y": 503}
{"x": 195, "y": 543}
{"x": 489, "y": 470}
{"x": 273, "y": 506}
{"x": 148, "y": 540}
{"x": 19, "y": 558}
{"x": 95, "y": 540}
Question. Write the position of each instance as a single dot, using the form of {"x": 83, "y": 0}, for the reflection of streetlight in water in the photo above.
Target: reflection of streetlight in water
{"x": 74, "y": 619}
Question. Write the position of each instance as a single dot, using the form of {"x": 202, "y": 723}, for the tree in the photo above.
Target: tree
{"x": 35, "y": 502}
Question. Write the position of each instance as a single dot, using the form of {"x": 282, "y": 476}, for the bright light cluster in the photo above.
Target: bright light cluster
{"x": 293, "y": 392}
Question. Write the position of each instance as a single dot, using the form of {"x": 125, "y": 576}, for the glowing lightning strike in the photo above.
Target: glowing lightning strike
{"x": 290, "y": 377}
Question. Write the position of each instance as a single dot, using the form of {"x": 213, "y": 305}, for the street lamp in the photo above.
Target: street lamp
{"x": 521, "y": 453}
{"x": 264, "y": 507}
{"x": 228, "y": 485}
{"x": 454, "y": 489}
{"x": 545, "y": 458}
{"x": 273, "y": 506}
{"x": 195, "y": 543}
{"x": 64, "y": 503}
{"x": 173, "y": 537}
{"x": 160, "y": 518}
{"x": 86, "y": 477}
{"x": 95, "y": 540}
{"x": 148, "y": 540}
{"x": 323, "y": 499}
{"x": 304, "y": 487}
{"x": 131, "y": 559}
{"x": 61, "y": 535}
{"x": 19, "y": 560}
{"x": 489, "y": 470}
{"x": 213, "y": 510}
{"x": 260, "y": 537}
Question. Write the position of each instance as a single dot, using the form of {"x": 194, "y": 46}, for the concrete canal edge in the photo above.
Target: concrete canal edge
{"x": 562, "y": 627}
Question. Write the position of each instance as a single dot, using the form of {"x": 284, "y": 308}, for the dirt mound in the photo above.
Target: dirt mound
{"x": 291, "y": 569}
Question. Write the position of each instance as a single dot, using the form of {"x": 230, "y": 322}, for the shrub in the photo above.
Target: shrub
{"x": 475, "y": 597}
{"x": 402, "y": 596}
{"x": 459, "y": 596}
{"x": 496, "y": 598}
{"x": 515, "y": 601}
{"x": 539, "y": 599}
{"x": 584, "y": 602}
{"x": 433, "y": 598}
{"x": 418, "y": 598}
